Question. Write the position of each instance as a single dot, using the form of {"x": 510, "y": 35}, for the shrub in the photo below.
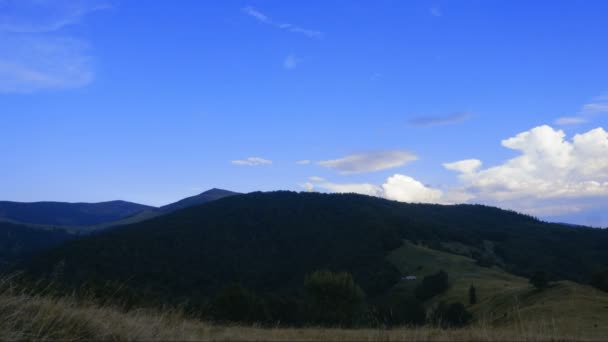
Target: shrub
{"x": 540, "y": 280}
{"x": 400, "y": 309}
{"x": 432, "y": 285}
{"x": 237, "y": 304}
{"x": 333, "y": 298}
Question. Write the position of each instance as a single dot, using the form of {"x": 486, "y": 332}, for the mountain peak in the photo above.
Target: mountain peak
{"x": 204, "y": 197}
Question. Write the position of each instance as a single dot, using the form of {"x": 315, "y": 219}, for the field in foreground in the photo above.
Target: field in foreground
{"x": 25, "y": 317}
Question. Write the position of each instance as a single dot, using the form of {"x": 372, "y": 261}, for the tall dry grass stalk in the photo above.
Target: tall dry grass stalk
{"x": 27, "y": 316}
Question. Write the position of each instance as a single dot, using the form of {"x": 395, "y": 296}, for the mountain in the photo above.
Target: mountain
{"x": 68, "y": 214}
{"x": 207, "y": 196}
{"x": 87, "y": 217}
{"x": 269, "y": 242}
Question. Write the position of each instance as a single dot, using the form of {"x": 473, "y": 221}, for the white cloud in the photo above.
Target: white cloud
{"x": 397, "y": 188}
{"x": 464, "y": 166}
{"x": 570, "y": 120}
{"x": 308, "y": 187}
{"x": 36, "y": 16}
{"x": 290, "y": 62}
{"x": 406, "y": 189}
{"x": 358, "y": 188}
{"x": 598, "y": 105}
{"x": 303, "y": 162}
{"x": 35, "y": 55}
{"x": 252, "y": 161}
{"x": 262, "y": 18}
{"x": 316, "y": 179}
{"x": 369, "y": 162}
{"x": 550, "y": 173}
{"x": 35, "y": 63}
{"x": 435, "y": 11}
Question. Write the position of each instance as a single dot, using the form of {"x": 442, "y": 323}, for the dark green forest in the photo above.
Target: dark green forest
{"x": 267, "y": 244}
{"x": 19, "y": 242}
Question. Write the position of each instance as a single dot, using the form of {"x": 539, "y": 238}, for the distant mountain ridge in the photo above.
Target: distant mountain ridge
{"x": 69, "y": 214}
{"x": 78, "y": 217}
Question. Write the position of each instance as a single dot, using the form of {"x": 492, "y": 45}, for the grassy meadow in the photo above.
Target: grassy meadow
{"x": 35, "y": 318}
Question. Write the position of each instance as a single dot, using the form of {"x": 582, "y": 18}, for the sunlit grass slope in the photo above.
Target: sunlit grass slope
{"x": 506, "y": 300}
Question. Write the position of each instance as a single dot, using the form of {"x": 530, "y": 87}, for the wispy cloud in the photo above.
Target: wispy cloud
{"x": 290, "y": 62}
{"x": 36, "y": 16}
{"x": 251, "y": 161}
{"x": 263, "y": 18}
{"x": 597, "y": 105}
{"x": 303, "y": 162}
{"x": 435, "y": 11}
{"x": 369, "y": 162}
{"x": 570, "y": 120}
{"x": 439, "y": 119}
{"x": 35, "y": 53}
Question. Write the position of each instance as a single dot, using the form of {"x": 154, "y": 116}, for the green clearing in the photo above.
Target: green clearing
{"x": 505, "y": 299}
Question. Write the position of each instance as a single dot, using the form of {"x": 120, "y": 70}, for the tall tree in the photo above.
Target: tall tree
{"x": 472, "y": 295}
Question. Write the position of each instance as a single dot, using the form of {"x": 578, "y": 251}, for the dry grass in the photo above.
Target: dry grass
{"x": 27, "y": 317}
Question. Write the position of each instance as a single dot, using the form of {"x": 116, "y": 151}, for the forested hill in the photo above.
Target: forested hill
{"x": 268, "y": 242}
{"x": 18, "y": 242}
{"x": 68, "y": 214}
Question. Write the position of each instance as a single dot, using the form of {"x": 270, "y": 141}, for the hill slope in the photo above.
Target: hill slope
{"x": 18, "y": 242}
{"x": 270, "y": 241}
{"x": 506, "y": 300}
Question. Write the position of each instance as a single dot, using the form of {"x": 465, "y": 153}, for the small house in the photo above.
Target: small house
{"x": 409, "y": 278}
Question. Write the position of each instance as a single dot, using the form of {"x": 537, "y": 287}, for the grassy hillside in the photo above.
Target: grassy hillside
{"x": 505, "y": 300}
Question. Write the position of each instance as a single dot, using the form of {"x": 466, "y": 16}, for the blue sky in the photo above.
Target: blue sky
{"x": 496, "y": 102}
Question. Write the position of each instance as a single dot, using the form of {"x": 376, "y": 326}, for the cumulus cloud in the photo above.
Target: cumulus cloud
{"x": 436, "y": 120}
{"x": 549, "y": 174}
{"x": 406, "y": 189}
{"x": 36, "y": 54}
{"x": 252, "y": 161}
{"x": 397, "y": 187}
{"x": 369, "y": 162}
{"x": 263, "y": 18}
{"x": 358, "y": 188}
{"x": 464, "y": 166}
